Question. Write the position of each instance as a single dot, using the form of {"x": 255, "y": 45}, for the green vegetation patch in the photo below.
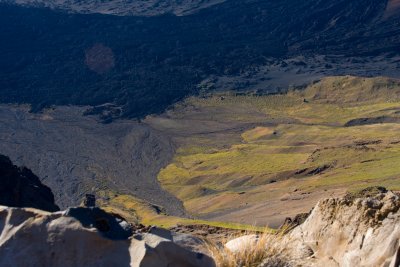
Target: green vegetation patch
{"x": 244, "y": 143}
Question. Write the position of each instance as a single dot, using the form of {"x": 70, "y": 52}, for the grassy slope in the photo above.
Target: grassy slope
{"x": 138, "y": 211}
{"x": 239, "y": 150}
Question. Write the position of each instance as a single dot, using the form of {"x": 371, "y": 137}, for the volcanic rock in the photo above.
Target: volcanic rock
{"x": 19, "y": 187}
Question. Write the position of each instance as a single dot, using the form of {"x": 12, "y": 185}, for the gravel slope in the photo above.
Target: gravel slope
{"x": 75, "y": 155}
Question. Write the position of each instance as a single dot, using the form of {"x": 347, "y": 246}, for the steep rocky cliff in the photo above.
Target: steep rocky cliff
{"x": 19, "y": 187}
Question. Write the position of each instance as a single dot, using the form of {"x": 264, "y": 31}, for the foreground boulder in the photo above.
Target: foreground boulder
{"x": 84, "y": 237}
{"x": 19, "y": 187}
{"x": 357, "y": 230}
{"x": 360, "y": 229}
{"x": 242, "y": 243}
{"x": 155, "y": 251}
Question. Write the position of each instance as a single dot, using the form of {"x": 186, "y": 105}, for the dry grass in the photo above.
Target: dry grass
{"x": 243, "y": 144}
{"x": 135, "y": 210}
{"x": 260, "y": 253}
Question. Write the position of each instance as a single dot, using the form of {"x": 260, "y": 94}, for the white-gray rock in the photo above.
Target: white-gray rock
{"x": 35, "y": 238}
{"x": 154, "y": 251}
{"x": 339, "y": 232}
{"x": 242, "y": 243}
{"x": 190, "y": 242}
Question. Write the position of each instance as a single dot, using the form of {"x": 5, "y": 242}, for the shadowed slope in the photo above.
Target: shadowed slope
{"x": 122, "y": 7}
{"x": 55, "y": 58}
{"x": 19, "y": 187}
{"x": 393, "y": 7}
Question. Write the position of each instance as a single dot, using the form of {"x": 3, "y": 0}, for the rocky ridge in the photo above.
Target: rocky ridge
{"x": 21, "y": 188}
{"x": 86, "y": 237}
{"x": 352, "y": 231}
{"x": 361, "y": 229}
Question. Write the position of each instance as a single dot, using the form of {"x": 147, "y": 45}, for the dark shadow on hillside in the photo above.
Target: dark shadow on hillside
{"x": 111, "y": 226}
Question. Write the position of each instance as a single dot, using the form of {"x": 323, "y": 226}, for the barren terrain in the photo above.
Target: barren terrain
{"x": 236, "y": 158}
{"x": 76, "y": 154}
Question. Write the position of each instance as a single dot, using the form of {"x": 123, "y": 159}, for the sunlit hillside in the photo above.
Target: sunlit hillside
{"x": 257, "y": 154}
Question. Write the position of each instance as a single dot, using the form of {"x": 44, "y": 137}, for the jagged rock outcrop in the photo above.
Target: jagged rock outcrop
{"x": 357, "y": 230}
{"x": 19, "y": 187}
{"x": 84, "y": 237}
{"x": 360, "y": 229}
